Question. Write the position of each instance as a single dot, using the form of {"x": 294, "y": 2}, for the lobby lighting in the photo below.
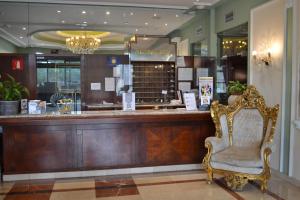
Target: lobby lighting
{"x": 266, "y": 55}
{"x": 107, "y": 13}
{"x": 58, "y": 11}
{"x": 84, "y": 44}
{"x": 83, "y": 12}
{"x": 264, "y": 58}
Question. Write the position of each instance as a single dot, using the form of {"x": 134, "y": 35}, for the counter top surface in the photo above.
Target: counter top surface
{"x": 113, "y": 113}
{"x": 137, "y": 105}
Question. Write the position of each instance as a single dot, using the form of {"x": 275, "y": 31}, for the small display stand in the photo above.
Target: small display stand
{"x": 128, "y": 100}
{"x": 190, "y": 101}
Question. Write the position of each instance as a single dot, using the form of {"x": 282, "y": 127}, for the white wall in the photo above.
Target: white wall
{"x": 267, "y": 30}
{"x": 294, "y": 169}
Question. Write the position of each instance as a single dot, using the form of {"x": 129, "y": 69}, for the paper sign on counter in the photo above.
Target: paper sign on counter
{"x": 109, "y": 84}
{"x": 95, "y": 86}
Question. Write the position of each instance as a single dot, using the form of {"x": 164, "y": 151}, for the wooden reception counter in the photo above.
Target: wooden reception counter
{"x": 98, "y": 140}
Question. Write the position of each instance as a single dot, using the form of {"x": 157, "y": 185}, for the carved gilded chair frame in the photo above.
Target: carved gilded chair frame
{"x": 251, "y": 99}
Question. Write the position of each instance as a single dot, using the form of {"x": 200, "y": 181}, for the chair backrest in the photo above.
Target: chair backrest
{"x": 247, "y": 122}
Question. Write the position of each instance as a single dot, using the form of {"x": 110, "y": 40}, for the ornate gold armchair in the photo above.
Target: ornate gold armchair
{"x": 243, "y": 143}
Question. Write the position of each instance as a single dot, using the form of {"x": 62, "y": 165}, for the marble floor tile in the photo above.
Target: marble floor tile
{"x": 5, "y": 187}
{"x": 74, "y": 184}
{"x": 111, "y": 186}
{"x": 132, "y": 197}
{"x": 154, "y": 179}
{"x": 157, "y": 186}
{"x": 252, "y": 192}
{"x": 159, "y": 192}
{"x": 182, "y": 177}
{"x": 74, "y": 195}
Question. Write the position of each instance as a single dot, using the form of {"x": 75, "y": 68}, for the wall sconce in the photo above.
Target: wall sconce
{"x": 265, "y": 58}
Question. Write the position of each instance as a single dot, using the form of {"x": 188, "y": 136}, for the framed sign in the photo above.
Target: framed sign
{"x": 17, "y": 63}
{"x": 206, "y": 87}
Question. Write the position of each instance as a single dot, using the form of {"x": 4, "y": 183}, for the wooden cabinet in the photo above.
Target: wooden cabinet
{"x": 150, "y": 78}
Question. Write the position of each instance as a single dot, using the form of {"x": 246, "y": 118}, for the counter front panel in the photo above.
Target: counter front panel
{"x": 99, "y": 140}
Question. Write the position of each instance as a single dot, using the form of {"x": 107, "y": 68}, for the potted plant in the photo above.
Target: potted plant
{"x": 234, "y": 90}
{"x": 11, "y": 92}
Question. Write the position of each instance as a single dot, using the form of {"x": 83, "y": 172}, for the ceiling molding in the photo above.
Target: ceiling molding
{"x": 11, "y": 38}
{"x": 101, "y": 4}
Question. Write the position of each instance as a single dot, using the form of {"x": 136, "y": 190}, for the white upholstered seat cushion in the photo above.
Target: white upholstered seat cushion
{"x": 239, "y": 156}
{"x": 247, "y": 170}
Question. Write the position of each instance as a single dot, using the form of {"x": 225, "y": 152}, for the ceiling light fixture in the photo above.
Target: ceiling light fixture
{"x": 131, "y": 13}
{"x": 58, "y": 11}
{"x": 136, "y": 30}
{"x": 21, "y": 37}
{"x": 154, "y": 14}
{"x": 63, "y": 21}
{"x": 84, "y": 44}
{"x": 83, "y": 12}
{"x": 146, "y": 23}
{"x": 85, "y": 22}
{"x": 107, "y": 13}
{"x": 105, "y": 22}
{"x": 24, "y": 28}
{"x": 166, "y": 24}
{"x": 177, "y": 15}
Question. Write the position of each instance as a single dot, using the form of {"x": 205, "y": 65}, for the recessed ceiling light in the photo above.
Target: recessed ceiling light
{"x": 83, "y": 12}
{"x": 107, "y": 13}
{"x": 136, "y": 30}
{"x": 154, "y": 14}
{"x": 58, "y": 11}
{"x": 105, "y": 22}
{"x": 24, "y": 28}
{"x": 85, "y": 22}
{"x": 166, "y": 24}
{"x": 131, "y": 13}
{"x": 177, "y": 15}
{"x": 21, "y": 37}
{"x": 63, "y": 21}
{"x": 146, "y": 23}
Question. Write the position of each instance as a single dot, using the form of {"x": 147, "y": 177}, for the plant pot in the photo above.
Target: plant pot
{"x": 9, "y": 107}
{"x": 232, "y": 98}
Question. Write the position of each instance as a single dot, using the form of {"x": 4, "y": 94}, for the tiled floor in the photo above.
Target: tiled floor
{"x": 161, "y": 186}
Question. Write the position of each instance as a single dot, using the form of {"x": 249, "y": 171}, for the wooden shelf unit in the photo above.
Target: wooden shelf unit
{"x": 150, "y": 78}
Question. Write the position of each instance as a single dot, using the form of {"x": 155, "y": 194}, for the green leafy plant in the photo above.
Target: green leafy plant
{"x": 11, "y": 90}
{"x": 236, "y": 88}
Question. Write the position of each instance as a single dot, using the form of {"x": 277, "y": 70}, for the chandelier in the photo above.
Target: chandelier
{"x": 84, "y": 44}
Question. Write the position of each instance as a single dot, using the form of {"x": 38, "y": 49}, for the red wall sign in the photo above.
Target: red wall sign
{"x": 17, "y": 63}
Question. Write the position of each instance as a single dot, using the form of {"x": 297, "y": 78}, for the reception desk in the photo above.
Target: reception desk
{"x": 99, "y": 140}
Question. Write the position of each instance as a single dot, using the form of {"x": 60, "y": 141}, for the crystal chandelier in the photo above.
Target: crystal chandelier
{"x": 83, "y": 44}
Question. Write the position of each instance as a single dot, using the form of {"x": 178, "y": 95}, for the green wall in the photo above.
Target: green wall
{"x": 189, "y": 29}
{"x": 241, "y": 11}
{"x": 7, "y": 47}
{"x": 213, "y": 21}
